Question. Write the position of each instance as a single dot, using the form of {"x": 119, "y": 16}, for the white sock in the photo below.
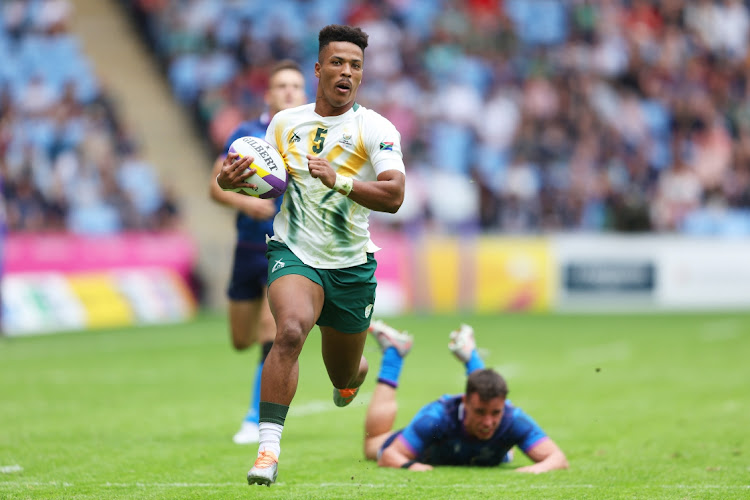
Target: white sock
{"x": 270, "y": 437}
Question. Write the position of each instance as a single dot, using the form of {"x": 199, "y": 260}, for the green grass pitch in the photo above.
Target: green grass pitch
{"x": 645, "y": 406}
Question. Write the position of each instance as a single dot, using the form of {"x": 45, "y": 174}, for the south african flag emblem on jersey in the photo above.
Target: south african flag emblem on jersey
{"x": 386, "y": 146}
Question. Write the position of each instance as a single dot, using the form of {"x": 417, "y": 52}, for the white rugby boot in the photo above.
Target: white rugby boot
{"x": 462, "y": 343}
{"x": 387, "y": 336}
{"x": 265, "y": 470}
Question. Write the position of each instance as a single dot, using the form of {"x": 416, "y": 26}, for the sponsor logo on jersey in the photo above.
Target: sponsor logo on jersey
{"x": 346, "y": 139}
{"x": 386, "y": 146}
{"x": 294, "y": 138}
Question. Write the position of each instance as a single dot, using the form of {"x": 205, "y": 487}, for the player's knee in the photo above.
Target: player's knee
{"x": 371, "y": 450}
{"x": 240, "y": 342}
{"x": 290, "y": 338}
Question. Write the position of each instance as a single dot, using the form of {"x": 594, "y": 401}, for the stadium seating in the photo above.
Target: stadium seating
{"x": 66, "y": 162}
{"x": 585, "y": 107}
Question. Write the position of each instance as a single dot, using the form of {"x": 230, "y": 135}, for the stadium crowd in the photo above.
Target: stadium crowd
{"x": 67, "y": 163}
{"x": 529, "y": 116}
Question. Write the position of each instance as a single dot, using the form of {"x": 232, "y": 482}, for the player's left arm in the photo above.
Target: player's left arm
{"x": 382, "y": 144}
{"x": 547, "y": 456}
{"x": 386, "y": 194}
{"x": 535, "y": 444}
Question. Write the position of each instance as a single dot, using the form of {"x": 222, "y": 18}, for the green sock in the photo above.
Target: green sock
{"x": 272, "y": 412}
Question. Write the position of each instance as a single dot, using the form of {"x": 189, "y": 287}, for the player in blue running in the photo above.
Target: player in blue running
{"x": 478, "y": 428}
{"x": 250, "y": 319}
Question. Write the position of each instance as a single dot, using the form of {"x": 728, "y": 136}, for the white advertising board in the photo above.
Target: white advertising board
{"x": 705, "y": 274}
{"x": 605, "y": 272}
{"x": 610, "y": 273}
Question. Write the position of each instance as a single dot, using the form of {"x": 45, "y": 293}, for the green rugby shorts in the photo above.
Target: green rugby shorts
{"x": 349, "y": 292}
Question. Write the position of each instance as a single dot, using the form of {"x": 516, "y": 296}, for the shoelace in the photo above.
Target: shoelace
{"x": 265, "y": 459}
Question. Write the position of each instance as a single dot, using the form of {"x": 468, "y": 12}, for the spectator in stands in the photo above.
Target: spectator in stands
{"x": 66, "y": 162}
{"x": 599, "y": 98}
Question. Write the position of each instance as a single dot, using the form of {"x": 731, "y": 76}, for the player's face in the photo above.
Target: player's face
{"x": 340, "y": 73}
{"x": 481, "y": 418}
{"x": 285, "y": 90}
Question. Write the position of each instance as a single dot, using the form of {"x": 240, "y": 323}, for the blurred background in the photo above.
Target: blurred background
{"x": 560, "y": 154}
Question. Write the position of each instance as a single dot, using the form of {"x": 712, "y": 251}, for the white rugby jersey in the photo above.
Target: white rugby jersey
{"x": 325, "y": 229}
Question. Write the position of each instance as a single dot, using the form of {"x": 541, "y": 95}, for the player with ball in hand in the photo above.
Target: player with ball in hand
{"x": 343, "y": 161}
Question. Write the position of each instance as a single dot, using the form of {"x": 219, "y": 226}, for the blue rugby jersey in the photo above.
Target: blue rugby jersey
{"x": 436, "y": 435}
{"x": 252, "y": 232}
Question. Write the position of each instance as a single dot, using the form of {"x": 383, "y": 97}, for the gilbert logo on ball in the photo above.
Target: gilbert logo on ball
{"x": 270, "y": 175}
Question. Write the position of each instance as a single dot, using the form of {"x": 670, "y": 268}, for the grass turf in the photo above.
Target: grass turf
{"x": 645, "y": 406}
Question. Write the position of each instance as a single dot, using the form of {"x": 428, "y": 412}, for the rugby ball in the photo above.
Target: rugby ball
{"x": 270, "y": 176}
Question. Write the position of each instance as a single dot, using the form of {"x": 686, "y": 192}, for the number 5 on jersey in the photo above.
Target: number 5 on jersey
{"x": 320, "y": 139}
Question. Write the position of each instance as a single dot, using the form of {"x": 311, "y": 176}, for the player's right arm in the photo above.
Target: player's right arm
{"x": 251, "y": 206}
{"x": 398, "y": 455}
{"x": 423, "y": 429}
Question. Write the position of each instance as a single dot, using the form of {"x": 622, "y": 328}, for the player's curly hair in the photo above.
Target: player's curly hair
{"x": 487, "y": 383}
{"x": 341, "y": 33}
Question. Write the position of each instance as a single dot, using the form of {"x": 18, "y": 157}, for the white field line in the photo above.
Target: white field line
{"x": 509, "y": 370}
{"x": 323, "y": 406}
{"x": 10, "y": 469}
{"x": 235, "y": 484}
{"x": 614, "y": 351}
{"x": 719, "y": 331}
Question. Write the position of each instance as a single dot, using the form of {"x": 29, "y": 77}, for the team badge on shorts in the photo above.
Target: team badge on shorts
{"x": 278, "y": 265}
{"x": 368, "y": 310}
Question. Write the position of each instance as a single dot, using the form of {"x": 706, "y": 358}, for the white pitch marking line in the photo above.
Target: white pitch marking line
{"x": 719, "y": 331}
{"x": 613, "y": 351}
{"x": 10, "y": 469}
{"x": 234, "y": 484}
{"x": 320, "y": 406}
{"x": 509, "y": 370}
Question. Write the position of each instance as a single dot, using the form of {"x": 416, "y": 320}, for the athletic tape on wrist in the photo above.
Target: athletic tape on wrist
{"x": 343, "y": 184}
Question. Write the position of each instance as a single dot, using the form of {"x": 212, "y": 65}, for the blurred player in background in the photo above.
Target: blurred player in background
{"x": 479, "y": 427}
{"x": 250, "y": 319}
{"x": 344, "y": 160}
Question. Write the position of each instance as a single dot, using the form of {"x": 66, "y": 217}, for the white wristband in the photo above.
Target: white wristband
{"x": 343, "y": 184}
{"x": 233, "y": 190}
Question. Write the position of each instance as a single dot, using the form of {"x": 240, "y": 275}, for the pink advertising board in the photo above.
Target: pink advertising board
{"x": 394, "y": 272}
{"x": 26, "y": 253}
